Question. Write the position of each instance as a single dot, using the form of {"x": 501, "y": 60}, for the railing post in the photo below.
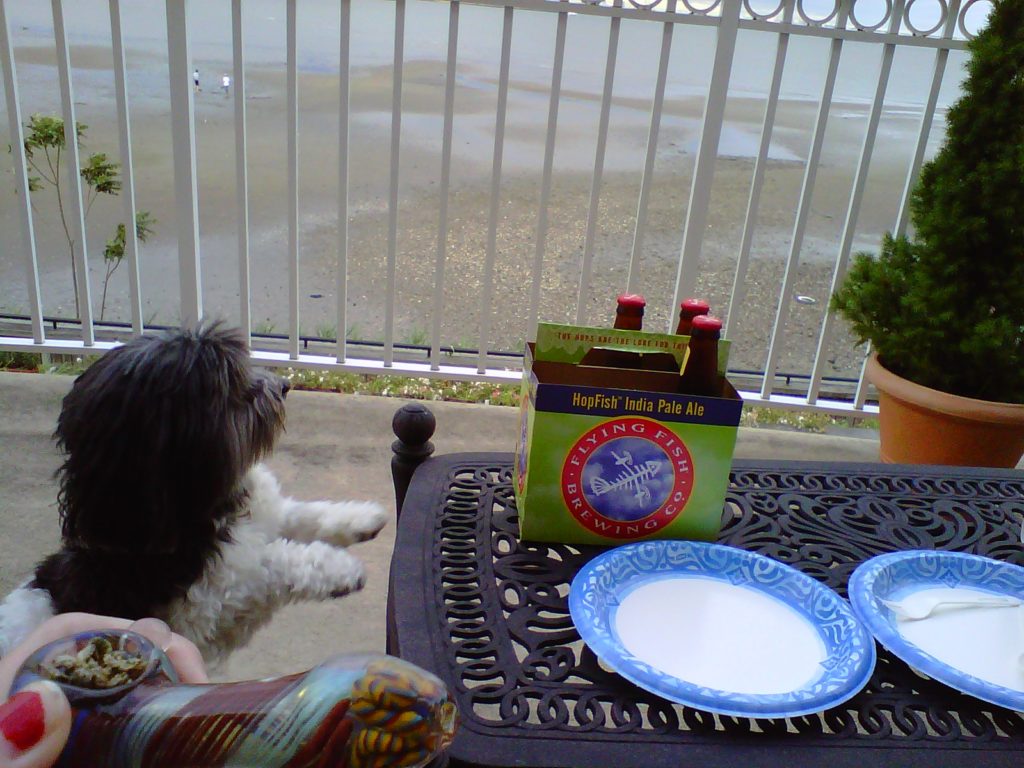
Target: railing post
{"x": 131, "y": 240}
{"x": 927, "y": 117}
{"x": 21, "y": 175}
{"x": 80, "y": 256}
{"x": 667, "y": 30}
{"x": 446, "y": 174}
{"x": 344, "y": 89}
{"x": 549, "y": 159}
{"x": 707, "y": 153}
{"x": 739, "y": 285}
{"x": 184, "y": 153}
{"x": 241, "y": 172}
{"x": 486, "y": 310}
{"x": 292, "y": 78}
{"x": 595, "y": 181}
{"x": 396, "y": 146}
{"x": 414, "y": 425}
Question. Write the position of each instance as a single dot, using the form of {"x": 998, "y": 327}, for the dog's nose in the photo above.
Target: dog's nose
{"x": 285, "y": 386}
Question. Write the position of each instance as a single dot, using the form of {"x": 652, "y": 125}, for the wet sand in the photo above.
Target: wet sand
{"x": 468, "y": 207}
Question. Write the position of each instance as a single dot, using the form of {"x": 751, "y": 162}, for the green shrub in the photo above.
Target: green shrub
{"x": 19, "y": 361}
{"x": 945, "y": 307}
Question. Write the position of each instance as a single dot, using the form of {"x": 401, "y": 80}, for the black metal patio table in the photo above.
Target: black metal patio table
{"x": 489, "y": 615}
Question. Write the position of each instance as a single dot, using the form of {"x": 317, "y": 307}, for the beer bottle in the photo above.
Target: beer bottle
{"x": 629, "y": 314}
{"x": 689, "y": 309}
{"x": 700, "y": 377}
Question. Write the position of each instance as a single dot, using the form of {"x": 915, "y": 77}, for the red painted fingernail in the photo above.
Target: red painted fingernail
{"x": 22, "y": 720}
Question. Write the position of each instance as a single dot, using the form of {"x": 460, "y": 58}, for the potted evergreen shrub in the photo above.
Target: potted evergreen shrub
{"x": 944, "y": 308}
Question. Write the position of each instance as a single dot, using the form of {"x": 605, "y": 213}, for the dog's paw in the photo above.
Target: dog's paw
{"x": 350, "y": 582}
{"x": 349, "y": 522}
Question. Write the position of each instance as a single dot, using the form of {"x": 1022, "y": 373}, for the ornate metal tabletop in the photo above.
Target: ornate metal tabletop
{"x": 489, "y": 615}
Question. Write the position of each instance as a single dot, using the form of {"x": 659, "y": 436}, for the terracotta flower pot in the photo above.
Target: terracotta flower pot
{"x": 920, "y": 425}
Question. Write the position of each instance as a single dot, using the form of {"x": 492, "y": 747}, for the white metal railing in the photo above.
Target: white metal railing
{"x": 899, "y": 26}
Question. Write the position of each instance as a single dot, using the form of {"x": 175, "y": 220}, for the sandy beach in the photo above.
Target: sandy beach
{"x": 469, "y": 200}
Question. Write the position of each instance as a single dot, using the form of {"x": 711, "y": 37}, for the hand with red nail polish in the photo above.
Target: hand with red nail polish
{"x": 36, "y": 721}
{"x": 21, "y": 719}
{"x": 34, "y": 727}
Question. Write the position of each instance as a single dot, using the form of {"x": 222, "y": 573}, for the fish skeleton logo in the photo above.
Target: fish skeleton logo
{"x": 627, "y": 478}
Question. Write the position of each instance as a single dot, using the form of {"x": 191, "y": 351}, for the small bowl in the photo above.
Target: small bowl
{"x": 158, "y": 666}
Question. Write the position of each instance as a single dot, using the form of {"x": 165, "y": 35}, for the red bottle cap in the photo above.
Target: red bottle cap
{"x": 631, "y": 301}
{"x": 694, "y": 307}
{"x": 707, "y": 324}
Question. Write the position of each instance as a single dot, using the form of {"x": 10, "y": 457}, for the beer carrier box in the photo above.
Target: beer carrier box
{"x": 609, "y": 455}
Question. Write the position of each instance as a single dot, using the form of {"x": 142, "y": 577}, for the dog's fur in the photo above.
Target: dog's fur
{"x": 165, "y": 509}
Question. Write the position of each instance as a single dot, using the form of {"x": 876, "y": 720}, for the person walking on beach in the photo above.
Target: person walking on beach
{"x": 225, "y": 83}
{"x": 195, "y": 80}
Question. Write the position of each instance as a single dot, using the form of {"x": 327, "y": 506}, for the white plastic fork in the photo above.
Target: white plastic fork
{"x": 923, "y": 608}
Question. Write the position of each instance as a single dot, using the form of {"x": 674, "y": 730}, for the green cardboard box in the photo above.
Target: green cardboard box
{"x": 611, "y": 455}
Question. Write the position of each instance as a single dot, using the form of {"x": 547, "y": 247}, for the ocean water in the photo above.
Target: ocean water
{"x": 480, "y": 39}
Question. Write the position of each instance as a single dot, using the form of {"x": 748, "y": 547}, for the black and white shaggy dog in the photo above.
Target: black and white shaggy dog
{"x": 166, "y": 509}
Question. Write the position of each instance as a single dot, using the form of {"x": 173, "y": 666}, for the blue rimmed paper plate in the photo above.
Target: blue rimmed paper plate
{"x": 976, "y": 650}
{"x": 721, "y": 629}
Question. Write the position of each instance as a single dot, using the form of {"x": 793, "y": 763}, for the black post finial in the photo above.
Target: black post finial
{"x": 414, "y": 425}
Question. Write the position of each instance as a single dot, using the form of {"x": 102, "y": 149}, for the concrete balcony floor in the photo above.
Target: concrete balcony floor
{"x": 335, "y": 447}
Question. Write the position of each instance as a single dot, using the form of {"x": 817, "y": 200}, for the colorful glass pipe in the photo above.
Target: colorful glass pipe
{"x": 352, "y": 711}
